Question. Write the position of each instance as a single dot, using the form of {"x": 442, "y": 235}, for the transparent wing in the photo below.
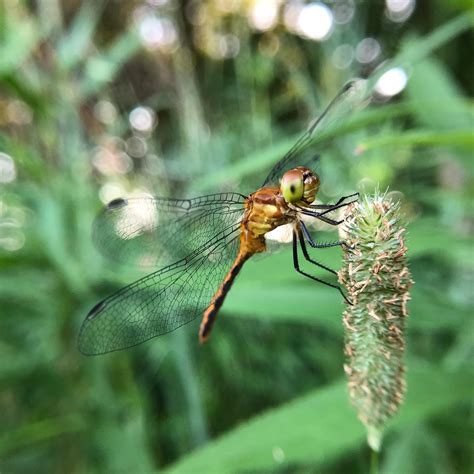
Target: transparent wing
{"x": 348, "y": 98}
{"x": 163, "y": 301}
{"x": 152, "y": 232}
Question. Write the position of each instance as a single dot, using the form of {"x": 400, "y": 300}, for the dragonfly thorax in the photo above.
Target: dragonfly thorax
{"x": 265, "y": 210}
{"x": 299, "y": 185}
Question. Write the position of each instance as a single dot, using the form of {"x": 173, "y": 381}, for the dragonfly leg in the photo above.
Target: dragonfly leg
{"x": 309, "y": 259}
{"x": 343, "y": 198}
{"x": 297, "y": 268}
{"x": 327, "y": 220}
{"x": 318, "y": 245}
{"x": 321, "y": 215}
{"x": 331, "y": 206}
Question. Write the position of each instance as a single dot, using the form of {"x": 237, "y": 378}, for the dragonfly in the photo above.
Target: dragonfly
{"x": 200, "y": 245}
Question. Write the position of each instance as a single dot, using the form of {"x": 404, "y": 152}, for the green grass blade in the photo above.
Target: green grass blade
{"x": 319, "y": 427}
{"x": 443, "y": 106}
{"x": 457, "y": 138}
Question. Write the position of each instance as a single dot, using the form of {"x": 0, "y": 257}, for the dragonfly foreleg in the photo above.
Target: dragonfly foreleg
{"x": 297, "y": 267}
{"x": 332, "y": 206}
{"x": 319, "y": 216}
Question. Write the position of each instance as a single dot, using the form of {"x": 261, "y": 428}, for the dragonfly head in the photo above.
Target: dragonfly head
{"x": 299, "y": 185}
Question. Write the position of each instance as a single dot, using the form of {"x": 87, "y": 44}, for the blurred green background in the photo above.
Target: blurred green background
{"x": 100, "y": 99}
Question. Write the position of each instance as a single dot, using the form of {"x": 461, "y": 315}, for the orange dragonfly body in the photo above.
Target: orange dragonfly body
{"x": 265, "y": 210}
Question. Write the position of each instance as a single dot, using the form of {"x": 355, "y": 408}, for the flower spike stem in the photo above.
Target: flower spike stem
{"x": 377, "y": 280}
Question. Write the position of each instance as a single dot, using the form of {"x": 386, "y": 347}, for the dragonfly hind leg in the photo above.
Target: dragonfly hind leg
{"x": 298, "y": 236}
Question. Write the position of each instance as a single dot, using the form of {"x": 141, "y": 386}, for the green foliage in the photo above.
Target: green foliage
{"x": 70, "y": 74}
{"x": 319, "y": 427}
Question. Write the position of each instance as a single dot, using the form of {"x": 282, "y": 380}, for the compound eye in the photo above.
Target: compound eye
{"x": 292, "y": 186}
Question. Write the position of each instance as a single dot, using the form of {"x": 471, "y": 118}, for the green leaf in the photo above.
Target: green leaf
{"x": 307, "y": 303}
{"x": 319, "y": 427}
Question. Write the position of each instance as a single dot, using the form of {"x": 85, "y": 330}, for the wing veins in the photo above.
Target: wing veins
{"x": 191, "y": 274}
{"x": 176, "y": 265}
{"x": 306, "y": 138}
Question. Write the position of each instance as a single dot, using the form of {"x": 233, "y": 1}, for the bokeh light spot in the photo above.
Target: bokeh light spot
{"x": 264, "y": 14}
{"x": 368, "y": 50}
{"x": 399, "y": 11}
{"x": 105, "y": 112}
{"x": 343, "y": 11}
{"x": 315, "y": 21}
{"x": 157, "y": 32}
{"x": 142, "y": 119}
{"x": 392, "y": 82}
{"x": 111, "y": 161}
{"x": 229, "y": 46}
{"x": 136, "y": 147}
{"x": 342, "y": 56}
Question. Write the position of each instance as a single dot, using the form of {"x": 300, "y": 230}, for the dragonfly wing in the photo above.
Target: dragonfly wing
{"x": 151, "y": 232}
{"x": 163, "y": 301}
{"x": 348, "y": 98}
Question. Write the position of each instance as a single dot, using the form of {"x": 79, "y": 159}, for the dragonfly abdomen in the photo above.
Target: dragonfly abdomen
{"x": 212, "y": 310}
